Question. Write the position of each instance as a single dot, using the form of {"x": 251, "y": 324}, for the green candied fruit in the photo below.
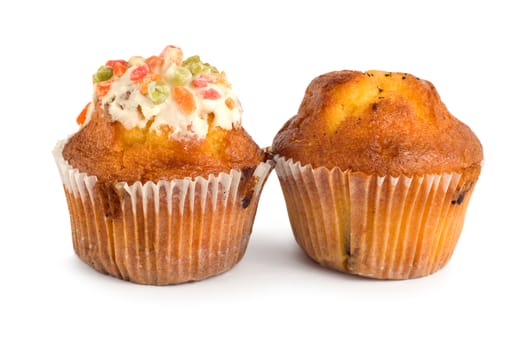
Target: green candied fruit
{"x": 192, "y": 59}
{"x": 202, "y": 68}
{"x": 212, "y": 68}
{"x": 178, "y": 75}
{"x": 196, "y": 66}
{"x": 103, "y": 73}
{"x": 158, "y": 92}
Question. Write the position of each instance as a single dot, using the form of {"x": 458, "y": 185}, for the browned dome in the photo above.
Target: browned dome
{"x": 377, "y": 123}
{"x": 113, "y": 153}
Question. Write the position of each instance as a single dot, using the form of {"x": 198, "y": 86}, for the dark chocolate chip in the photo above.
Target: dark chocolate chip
{"x": 347, "y": 249}
{"x": 462, "y": 194}
{"x": 245, "y": 202}
{"x": 459, "y": 199}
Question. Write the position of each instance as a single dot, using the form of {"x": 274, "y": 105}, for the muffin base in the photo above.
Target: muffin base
{"x": 166, "y": 232}
{"x": 380, "y": 227}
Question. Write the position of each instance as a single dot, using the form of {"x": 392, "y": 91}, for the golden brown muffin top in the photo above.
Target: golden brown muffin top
{"x": 379, "y": 123}
{"x": 161, "y": 117}
{"x": 113, "y": 153}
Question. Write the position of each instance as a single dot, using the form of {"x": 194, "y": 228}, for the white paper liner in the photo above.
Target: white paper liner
{"x": 166, "y": 232}
{"x": 376, "y": 226}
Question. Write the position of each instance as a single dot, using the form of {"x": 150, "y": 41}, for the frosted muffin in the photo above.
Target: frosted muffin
{"x": 377, "y": 174}
{"x": 161, "y": 180}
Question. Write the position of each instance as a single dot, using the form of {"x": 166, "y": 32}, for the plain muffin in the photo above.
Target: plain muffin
{"x": 377, "y": 174}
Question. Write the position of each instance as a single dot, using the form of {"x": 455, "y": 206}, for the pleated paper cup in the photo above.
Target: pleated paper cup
{"x": 381, "y": 227}
{"x": 166, "y": 232}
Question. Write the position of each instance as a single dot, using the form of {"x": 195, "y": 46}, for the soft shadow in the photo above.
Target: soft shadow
{"x": 273, "y": 262}
{"x": 276, "y": 255}
{"x": 84, "y": 271}
{"x": 279, "y": 257}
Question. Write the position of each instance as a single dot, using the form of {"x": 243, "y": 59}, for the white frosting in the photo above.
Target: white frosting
{"x": 126, "y": 104}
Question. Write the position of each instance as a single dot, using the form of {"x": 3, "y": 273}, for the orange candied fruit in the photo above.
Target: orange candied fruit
{"x": 230, "y": 103}
{"x": 154, "y": 63}
{"x": 102, "y": 88}
{"x": 82, "y": 116}
{"x": 119, "y": 67}
{"x": 184, "y": 99}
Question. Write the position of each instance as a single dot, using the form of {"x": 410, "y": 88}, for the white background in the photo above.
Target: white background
{"x": 275, "y": 297}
